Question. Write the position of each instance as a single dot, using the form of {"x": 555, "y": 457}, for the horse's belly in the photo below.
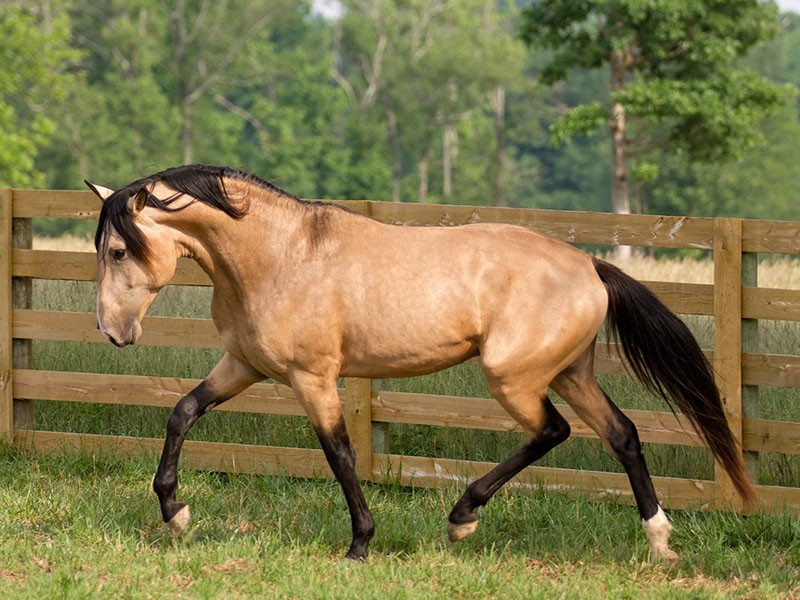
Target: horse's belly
{"x": 382, "y": 362}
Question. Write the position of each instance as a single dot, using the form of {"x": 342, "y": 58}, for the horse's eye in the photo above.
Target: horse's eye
{"x": 118, "y": 254}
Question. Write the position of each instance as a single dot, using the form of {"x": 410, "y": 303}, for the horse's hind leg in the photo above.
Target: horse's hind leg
{"x": 227, "y": 379}
{"x": 580, "y": 389}
{"x": 546, "y": 428}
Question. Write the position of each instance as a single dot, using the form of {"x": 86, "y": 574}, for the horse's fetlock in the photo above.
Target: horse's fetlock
{"x": 161, "y": 486}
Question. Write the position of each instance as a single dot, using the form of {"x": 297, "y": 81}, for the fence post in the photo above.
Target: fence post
{"x": 380, "y": 431}
{"x": 6, "y": 351}
{"x": 358, "y": 417}
{"x": 22, "y": 297}
{"x": 728, "y": 339}
{"x": 750, "y": 343}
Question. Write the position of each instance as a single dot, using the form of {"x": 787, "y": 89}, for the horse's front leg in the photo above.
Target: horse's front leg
{"x": 227, "y": 379}
{"x": 320, "y": 400}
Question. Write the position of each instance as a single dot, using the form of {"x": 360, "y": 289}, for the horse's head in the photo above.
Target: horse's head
{"x": 136, "y": 257}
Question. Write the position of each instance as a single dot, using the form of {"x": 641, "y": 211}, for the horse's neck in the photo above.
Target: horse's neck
{"x": 224, "y": 247}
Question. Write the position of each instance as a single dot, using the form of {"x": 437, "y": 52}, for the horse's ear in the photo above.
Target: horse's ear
{"x": 137, "y": 202}
{"x": 100, "y": 191}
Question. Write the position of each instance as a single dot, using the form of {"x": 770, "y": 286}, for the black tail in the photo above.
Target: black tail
{"x": 666, "y": 358}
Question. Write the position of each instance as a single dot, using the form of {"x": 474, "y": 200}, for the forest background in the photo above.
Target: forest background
{"x": 405, "y": 100}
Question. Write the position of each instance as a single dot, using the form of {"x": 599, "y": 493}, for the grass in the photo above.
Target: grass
{"x": 77, "y": 526}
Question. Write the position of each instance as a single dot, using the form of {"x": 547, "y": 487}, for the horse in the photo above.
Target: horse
{"x": 306, "y": 292}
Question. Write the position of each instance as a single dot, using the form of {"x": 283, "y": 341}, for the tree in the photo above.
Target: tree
{"x": 673, "y": 80}
{"x": 35, "y": 54}
{"x": 208, "y": 42}
{"x": 116, "y": 119}
{"x": 431, "y": 69}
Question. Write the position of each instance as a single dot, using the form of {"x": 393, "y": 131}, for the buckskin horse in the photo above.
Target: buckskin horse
{"x": 306, "y": 292}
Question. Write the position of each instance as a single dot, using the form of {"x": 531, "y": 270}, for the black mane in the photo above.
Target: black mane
{"x": 204, "y": 182}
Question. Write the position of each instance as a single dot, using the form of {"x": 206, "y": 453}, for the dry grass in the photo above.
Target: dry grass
{"x": 65, "y": 243}
{"x": 773, "y": 272}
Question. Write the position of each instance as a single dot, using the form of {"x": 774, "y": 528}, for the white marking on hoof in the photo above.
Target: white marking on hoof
{"x": 658, "y": 529}
{"x": 180, "y": 522}
{"x": 458, "y": 531}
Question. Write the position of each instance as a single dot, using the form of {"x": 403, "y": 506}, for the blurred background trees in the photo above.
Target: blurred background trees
{"x": 411, "y": 100}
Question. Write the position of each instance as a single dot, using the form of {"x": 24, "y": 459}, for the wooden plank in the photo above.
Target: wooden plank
{"x": 209, "y": 456}
{"x": 79, "y": 204}
{"x": 769, "y": 303}
{"x": 6, "y": 308}
{"x": 408, "y": 470}
{"x": 394, "y": 407}
{"x": 56, "y": 204}
{"x": 778, "y": 499}
{"x": 49, "y": 264}
{"x": 487, "y": 414}
{"x": 82, "y": 327}
{"x": 728, "y": 338}
{"x": 82, "y": 266}
{"x": 684, "y": 298}
{"x": 781, "y": 237}
{"x": 569, "y": 226}
{"x": 775, "y": 370}
{"x": 358, "y": 417}
{"x": 140, "y": 390}
{"x": 435, "y": 472}
{"x": 760, "y": 435}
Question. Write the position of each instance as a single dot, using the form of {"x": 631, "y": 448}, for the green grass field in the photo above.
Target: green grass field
{"x": 89, "y": 526}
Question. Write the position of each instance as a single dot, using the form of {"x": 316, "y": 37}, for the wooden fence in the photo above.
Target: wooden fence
{"x": 734, "y": 300}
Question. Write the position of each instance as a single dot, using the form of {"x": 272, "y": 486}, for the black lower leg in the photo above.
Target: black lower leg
{"x": 342, "y": 460}
{"x": 624, "y": 441}
{"x": 478, "y": 493}
{"x": 186, "y": 413}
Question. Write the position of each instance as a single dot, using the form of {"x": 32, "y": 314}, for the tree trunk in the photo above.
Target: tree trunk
{"x": 397, "y": 160}
{"x": 620, "y": 195}
{"x": 498, "y": 101}
{"x": 422, "y": 167}
{"x": 186, "y": 131}
{"x": 448, "y": 146}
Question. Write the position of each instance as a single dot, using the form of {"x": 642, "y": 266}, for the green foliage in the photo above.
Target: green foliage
{"x": 34, "y": 56}
{"x": 409, "y": 100}
{"x": 675, "y": 71}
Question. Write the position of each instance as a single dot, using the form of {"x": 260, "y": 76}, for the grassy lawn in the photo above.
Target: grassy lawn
{"x": 89, "y": 526}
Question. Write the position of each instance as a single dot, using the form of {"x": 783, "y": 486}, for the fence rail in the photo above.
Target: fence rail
{"x": 734, "y": 300}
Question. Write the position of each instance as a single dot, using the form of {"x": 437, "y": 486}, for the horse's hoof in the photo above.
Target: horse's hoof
{"x": 663, "y": 555}
{"x": 179, "y": 523}
{"x": 458, "y": 531}
{"x": 354, "y": 558}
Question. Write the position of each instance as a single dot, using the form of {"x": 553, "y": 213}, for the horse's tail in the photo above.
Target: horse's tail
{"x": 667, "y": 359}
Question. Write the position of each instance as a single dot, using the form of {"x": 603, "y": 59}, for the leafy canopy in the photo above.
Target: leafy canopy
{"x": 680, "y": 56}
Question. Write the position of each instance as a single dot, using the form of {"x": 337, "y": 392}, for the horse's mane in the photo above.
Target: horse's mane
{"x": 205, "y": 183}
